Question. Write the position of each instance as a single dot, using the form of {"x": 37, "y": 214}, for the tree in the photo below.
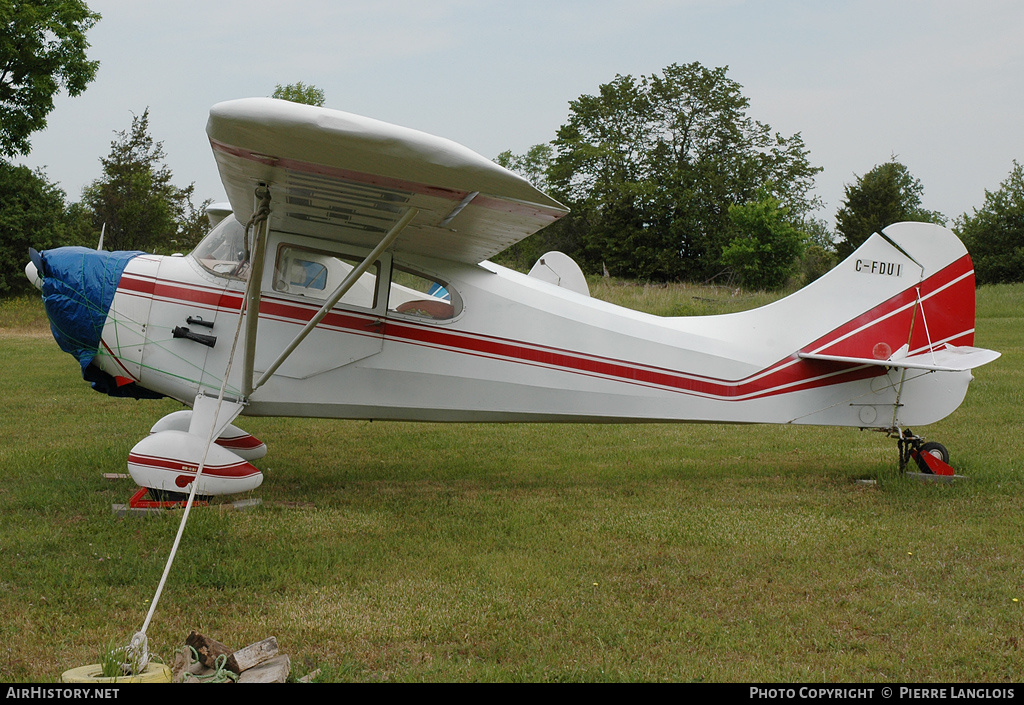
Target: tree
{"x": 994, "y": 235}
{"x": 766, "y": 245}
{"x": 885, "y": 195}
{"x": 818, "y": 233}
{"x": 650, "y": 167}
{"x": 42, "y": 50}
{"x": 816, "y": 261}
{"x": 820, "y": 254}
{"x": 136, "y": 199}
{"x": 532, "y": 166}
{"x": 300, "y": 93}
{"x": 33, "y": 213}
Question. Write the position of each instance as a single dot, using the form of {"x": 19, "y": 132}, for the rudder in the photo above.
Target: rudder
{"x": 914, "y": 283}
{"x": 914, "y": 334}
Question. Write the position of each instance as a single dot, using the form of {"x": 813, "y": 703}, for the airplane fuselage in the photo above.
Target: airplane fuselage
{"x": 514, "y": 348}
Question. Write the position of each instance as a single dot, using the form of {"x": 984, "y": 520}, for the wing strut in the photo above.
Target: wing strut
{"x": 342, "y": 289}
{"x": 260, "y": 223}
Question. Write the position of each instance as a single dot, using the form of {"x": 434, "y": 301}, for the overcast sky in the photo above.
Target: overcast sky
{"x": 936, "y": 83}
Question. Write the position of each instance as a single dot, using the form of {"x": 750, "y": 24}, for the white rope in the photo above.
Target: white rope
{"x": 924, "y": 319}
{"x": 138, "y": 650}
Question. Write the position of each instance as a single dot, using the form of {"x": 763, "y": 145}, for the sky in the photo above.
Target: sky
{"x": 937, "y": 84}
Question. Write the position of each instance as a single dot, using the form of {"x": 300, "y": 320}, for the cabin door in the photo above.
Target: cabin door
{"x": 303, "y": 277}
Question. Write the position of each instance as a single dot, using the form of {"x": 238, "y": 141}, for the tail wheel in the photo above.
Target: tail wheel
{"x": 936, "y": 449}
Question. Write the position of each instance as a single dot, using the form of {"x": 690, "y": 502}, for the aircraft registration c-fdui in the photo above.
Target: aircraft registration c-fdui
{"x": 349, "y": 278}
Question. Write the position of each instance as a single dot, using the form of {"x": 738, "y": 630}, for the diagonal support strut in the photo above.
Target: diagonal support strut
{"x": 342, "y": 289}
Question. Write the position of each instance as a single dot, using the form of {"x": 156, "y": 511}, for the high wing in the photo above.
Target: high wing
{"x": 346, "y": 178}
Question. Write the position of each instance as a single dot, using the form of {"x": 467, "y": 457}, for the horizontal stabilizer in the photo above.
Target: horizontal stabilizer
{"x": 948, "y": 359}
{"x": 561, "y": 270}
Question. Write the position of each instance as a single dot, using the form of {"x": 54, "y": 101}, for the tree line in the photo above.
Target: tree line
{"x": 134, "y": 202}
{"x": 667, "y": 176}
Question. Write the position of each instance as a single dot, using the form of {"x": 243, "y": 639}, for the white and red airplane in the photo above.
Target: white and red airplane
{"x": 349, "y": 278}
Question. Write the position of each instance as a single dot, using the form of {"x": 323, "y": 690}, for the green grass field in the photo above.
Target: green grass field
{"x": 422, "y": 552}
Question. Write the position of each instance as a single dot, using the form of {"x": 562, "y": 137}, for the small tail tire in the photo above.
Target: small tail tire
{"x": 936, "y": 449}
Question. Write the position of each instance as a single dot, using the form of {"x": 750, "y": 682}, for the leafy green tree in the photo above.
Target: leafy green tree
{"x": 532, "y": 166}
{"x": 766, "y": 246}
{"x": 136, "y": 200}
{"x": 650, "y": 167}
{"x": 42, "y": 50}
{"x": 33, "y": 213}
{"x": 816, "y": 261}
{"x": 887, "y": 194}
{"x": 994, "y": 235}
{"x": 818, "y": 233}
{"x": 820, "y": 255}
{"x": 300, "y": 93}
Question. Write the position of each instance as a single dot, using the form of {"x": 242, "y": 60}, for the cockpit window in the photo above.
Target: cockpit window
{"x": 422, "y": 296}
{"x": 222, "y": 252}
{"x": 304, "y": 274}
{"x": 301, "y": 271}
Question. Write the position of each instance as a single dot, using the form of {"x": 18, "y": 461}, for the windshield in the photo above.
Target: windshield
{"x": 223, "y": 250}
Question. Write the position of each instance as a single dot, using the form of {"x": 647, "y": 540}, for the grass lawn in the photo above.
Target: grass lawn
{"x": 425, "y": 552}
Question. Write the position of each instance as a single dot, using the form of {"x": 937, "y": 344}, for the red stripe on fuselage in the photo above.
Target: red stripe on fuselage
{"x": 896, "y": 321}
{"x": 174, "y": 292}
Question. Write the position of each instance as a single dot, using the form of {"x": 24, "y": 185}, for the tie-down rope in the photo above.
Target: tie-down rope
{"x": 138, "y": 648}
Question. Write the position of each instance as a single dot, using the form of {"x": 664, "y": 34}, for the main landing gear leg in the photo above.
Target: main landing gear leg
{"x": 931, "y": 458}
{"x": 167, "y": 461}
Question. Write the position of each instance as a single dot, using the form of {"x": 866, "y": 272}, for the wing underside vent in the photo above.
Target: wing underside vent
{"x": 365, "y": 208}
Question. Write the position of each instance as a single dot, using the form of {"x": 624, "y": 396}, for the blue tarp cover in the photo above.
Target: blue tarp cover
{"x": 78, "y": 288}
